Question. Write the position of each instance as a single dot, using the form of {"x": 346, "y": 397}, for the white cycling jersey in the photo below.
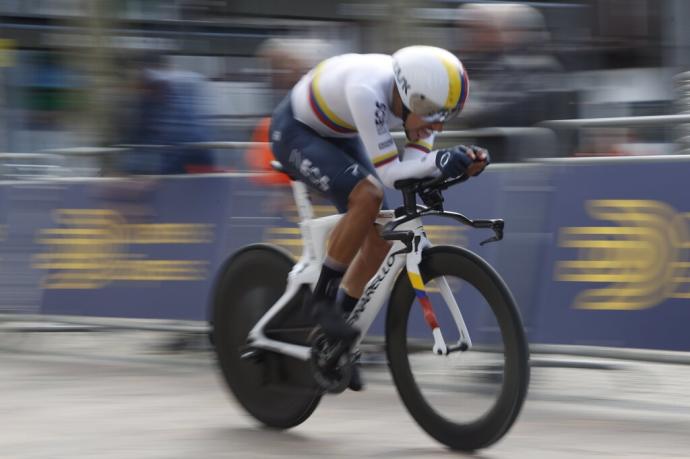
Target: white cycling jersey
{"x": 351, "y": 95}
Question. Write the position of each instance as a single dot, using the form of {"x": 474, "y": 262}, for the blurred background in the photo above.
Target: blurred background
{"x": 85, "y": 74}
{"x": 134, "y": 161}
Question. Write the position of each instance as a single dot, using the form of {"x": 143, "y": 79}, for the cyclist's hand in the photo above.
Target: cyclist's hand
{"x": 460, "y": 159}
{"x": 480, "y": 159}
{"x": 454, "y": 161}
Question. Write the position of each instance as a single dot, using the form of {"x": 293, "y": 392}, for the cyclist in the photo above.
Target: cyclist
{"x": 333, "y": 133}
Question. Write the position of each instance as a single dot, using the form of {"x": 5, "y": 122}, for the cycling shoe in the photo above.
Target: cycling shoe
{"x": 333, "y": 323}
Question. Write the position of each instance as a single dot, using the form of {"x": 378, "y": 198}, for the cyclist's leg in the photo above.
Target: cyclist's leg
{"x": 367, "y": 260}
{"x": 364, "y": 266}
{"x": 323, "y": 164}
{"x": 374, "y": 248}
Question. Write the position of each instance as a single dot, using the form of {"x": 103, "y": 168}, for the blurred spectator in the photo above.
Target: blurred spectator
{"x": 166, "y": 117}
{"x": 514, "y": 78}
{"x": 290, "y": 58}
{"x": 287, "y": 59}
{"x": 49, "y": 93}
{"x": 617, "y": 141}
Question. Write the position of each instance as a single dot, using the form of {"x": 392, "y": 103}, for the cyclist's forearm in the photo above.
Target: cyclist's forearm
{"x": 422, "y": 167}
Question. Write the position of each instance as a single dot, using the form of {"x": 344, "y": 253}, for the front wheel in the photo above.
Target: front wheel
{"x": 465, "y": 400}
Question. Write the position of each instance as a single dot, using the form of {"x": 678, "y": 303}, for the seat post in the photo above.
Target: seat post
{"x": 299, "y": 191}
{"x": 302, "y": 200}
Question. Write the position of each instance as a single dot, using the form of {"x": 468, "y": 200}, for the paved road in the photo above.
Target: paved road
{"x": 117, "y": 395}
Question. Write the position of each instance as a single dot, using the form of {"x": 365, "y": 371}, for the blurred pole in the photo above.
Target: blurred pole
{"x": 677, "y": 34}
{"x": 99, "y": 67}
{"x": 683, "y": 102}
{"x": 677, "y": 41}
{"x": 4, "y": 114}
{"x": 403, "y": 28}
{"x": 5, "y": 62}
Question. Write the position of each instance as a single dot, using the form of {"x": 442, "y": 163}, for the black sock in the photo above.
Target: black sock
{"x": 329, "y": 274}
{"x": 347, "y": 303}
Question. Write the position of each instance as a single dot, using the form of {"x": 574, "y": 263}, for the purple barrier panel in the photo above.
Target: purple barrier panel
{"x": 145, "y": 248}
{"x": 25, "y": 207}
{"x": 261, "y": 213}
{"x": 525, "y": 199}
{"x": 617, "y": 273}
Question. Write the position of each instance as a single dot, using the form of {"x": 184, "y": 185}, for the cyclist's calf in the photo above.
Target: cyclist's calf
{"x": 366, "y": 263}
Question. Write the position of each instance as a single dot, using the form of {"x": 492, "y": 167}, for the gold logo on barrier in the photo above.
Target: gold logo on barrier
{"x": 640, "y": 258}
{"x": 92, "y": 247}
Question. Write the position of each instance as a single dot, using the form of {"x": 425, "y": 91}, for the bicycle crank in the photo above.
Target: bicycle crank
{"x": 330, "y": 362}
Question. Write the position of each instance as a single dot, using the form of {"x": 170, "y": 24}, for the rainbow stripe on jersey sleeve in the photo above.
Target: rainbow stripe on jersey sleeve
{"x": 321, "y": 109}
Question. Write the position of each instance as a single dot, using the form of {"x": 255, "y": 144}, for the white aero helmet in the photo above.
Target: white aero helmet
{"x": 432, "y": 82}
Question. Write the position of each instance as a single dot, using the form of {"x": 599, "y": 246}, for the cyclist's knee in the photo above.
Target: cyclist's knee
{"x": 366, "y": 195}
{"x": 376, "y": 247}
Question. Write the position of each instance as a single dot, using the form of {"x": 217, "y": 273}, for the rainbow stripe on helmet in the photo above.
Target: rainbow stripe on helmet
{"x": 458, "y": 83}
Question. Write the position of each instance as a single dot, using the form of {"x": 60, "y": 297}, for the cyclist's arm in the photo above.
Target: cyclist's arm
{"x": 418, "y": 149}
{"x": 369, "y": 114}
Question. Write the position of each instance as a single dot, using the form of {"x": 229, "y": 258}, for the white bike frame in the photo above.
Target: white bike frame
{"x": 315, "y": 232}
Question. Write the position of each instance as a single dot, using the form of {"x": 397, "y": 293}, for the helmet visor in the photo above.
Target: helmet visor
{"x": 441, "y": 116}
{"x": 430, "y": 112}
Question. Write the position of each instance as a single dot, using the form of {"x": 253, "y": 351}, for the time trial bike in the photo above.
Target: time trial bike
{"x": 459, "y": 360}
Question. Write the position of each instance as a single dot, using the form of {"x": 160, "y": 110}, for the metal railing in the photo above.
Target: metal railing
{"x": 91, "y": 161}
{"x": 623, "y": 121}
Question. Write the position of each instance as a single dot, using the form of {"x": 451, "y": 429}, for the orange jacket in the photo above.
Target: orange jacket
{"x": 259, "y": 157}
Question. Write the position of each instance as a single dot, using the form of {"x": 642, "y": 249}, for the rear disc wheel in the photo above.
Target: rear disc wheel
{"x": 275, "y": 389}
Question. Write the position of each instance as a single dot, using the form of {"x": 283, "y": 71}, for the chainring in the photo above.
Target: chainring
{"x": 333, "y": 379}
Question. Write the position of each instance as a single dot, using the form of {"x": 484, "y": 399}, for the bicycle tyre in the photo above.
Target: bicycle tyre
{"x": 249, "y": 283}
{"x": 461, "y": 263}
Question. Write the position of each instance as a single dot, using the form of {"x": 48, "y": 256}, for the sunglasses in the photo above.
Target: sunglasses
{"x": 430, "y": 112}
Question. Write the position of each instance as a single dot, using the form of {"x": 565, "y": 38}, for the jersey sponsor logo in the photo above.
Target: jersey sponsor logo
{"x": 402, "y": 81}
{"x": 384, "y": 145}
{"x": 353, "y": 169}
{"x": 309, "y": 172}
{"x": 380, "y": 118}
{"x": 444, "y": 159}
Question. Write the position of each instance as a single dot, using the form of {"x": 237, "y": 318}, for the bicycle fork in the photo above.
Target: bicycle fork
{"x": 414, "y": 258}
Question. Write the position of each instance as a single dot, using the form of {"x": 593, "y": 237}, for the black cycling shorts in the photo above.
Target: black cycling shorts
{"x": 333, "y": 166}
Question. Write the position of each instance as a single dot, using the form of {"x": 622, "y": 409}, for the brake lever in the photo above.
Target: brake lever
{"x": 491, "y": 239}
{"x": 497, "y": 226}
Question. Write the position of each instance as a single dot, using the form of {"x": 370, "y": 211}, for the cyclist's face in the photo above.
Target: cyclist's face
{"x": 418, "y": 128}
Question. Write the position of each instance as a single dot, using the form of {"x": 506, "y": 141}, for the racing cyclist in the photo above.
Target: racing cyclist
{"x": 333, "y": 132}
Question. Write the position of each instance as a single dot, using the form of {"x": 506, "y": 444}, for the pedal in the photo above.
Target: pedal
{"x": 251, "y": 353}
